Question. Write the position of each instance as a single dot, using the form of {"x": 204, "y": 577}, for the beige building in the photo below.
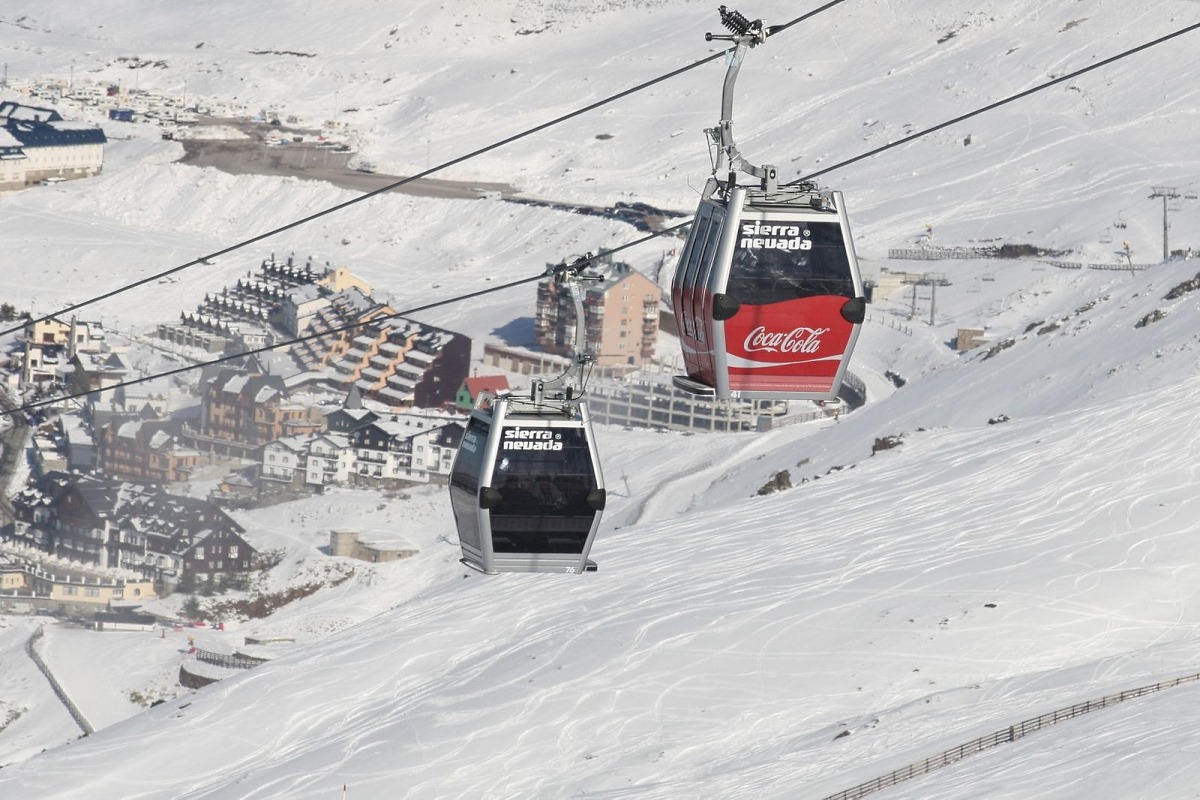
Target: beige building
{"x": 32, "y": 581}
{"x": 621, "y": 311}
{"x": 339, "y": 279}
{"x": 379, "y": 549}
{"x": 51, "y": 343}
{"x": 969, "y": 339}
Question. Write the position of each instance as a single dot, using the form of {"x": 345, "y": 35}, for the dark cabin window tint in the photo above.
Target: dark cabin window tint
{"x": 712, "y": 241}
{"x": 708, "y": 237}
{"x": 704, "y": 247}
{"x": 544, "y": 481}
{"x": 470, "y": 456}
{"x": 778, "y": 260}
{"x": 686, "y": 268}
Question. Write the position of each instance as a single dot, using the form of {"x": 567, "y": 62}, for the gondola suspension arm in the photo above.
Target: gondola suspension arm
{"x": 567, "y": 388}
{"x": 744, "y": 35}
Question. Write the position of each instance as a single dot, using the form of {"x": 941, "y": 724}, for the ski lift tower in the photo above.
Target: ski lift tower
{"x": 1166, "y": 193}
{"x": 932, "y": 280}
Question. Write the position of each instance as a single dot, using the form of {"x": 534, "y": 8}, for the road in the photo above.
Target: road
{"x": 308, "y": 161}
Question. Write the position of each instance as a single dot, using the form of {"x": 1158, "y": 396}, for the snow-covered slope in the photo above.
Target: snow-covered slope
{"x": 1029, "y": 543}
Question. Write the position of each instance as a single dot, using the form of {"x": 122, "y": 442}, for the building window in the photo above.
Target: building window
{"x": 233, "y": 551}
{"x": 199, "y": 553}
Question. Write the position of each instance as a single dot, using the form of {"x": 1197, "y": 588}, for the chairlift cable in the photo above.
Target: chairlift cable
{"x": 678, "y": 227}
{"x": 1026, "y": 93}
{"x": 402, "y": 182}
{"x": 998, "y": 103}
{"x": 267, "y": 348}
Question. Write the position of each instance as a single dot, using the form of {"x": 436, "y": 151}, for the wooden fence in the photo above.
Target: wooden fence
{"x": 963, "y": 253}
{"x": 227, "y": 660}
{"x": 59, "y": 691}
{"x": 1002, "y": 736}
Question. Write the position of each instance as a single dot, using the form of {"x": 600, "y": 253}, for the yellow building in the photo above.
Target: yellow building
{"x": 339, "y": 279}
{"x": 36, "y": 582}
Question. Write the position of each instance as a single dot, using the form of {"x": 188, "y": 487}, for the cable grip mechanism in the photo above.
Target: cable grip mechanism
{"x": 738, "y": 26}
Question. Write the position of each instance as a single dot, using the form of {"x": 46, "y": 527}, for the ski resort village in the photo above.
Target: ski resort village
{"x": 297, "y": 378}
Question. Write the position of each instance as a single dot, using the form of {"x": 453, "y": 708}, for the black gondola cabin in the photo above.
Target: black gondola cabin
{"x": 526, "y": 487}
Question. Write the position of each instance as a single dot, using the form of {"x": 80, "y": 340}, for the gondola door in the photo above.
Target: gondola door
{"x": 692, "y": 296}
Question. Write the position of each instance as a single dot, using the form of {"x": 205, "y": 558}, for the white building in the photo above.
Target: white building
{"x": 330, "y": 460}
{"x": 38, "y": 145}
{"x": 300, "y": 305}
{"x": 405, "y": 449}
{"x": 282, "y": 458}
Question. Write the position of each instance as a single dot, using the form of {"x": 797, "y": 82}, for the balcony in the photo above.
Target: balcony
{"x": 419, "y": 358}
{"x": 398, "y": 396}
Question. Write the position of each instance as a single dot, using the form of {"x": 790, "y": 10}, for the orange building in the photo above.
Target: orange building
{"x": 143, "y": 450}
{"x": 252, "y": 410}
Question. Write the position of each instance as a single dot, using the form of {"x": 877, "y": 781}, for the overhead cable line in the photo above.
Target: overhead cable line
{"x": 940, "y": 126}
{"x": 404, "y": 181}
{"x": 998, "y": 103}
{"x": 267, "y": 348}
{"x": 585, "y": 260}
{"x": 602, "y": 254}
{"x": 991, "y": 106}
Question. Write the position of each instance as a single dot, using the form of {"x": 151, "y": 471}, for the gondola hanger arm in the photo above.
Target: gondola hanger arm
{"x": 744, "y": 34}
{"x": 568, "y": 387}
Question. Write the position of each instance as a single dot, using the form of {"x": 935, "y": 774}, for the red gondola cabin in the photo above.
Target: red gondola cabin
{"x": 768, "y": 296}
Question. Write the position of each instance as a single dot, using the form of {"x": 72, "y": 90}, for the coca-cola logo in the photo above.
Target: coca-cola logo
{"x": 797, "y": 340}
